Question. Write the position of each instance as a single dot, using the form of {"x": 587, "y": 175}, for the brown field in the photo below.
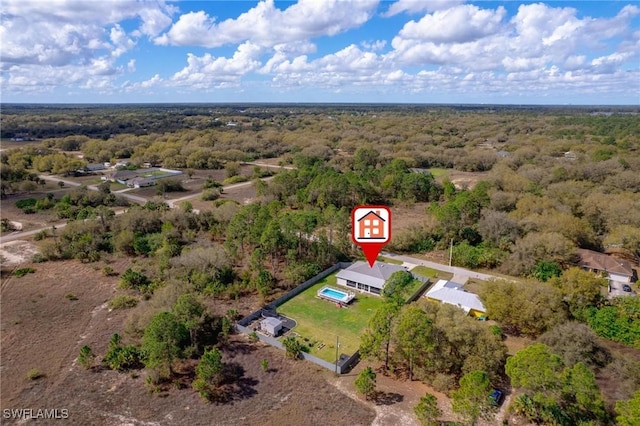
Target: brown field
{"x": 37, "y": 220}
{"x": 43, "y": 329}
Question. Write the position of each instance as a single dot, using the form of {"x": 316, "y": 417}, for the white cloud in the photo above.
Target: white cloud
{"x": 459, "y": 24}
{"x": 416, "y": 6}
{"x": 74, "y": 40}
{"x": 207, "y": 71}
{"x": 375, "y": 45}
{"x": 267, "y": 25}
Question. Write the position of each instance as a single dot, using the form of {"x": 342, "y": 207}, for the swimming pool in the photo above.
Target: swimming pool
{"x": 335, "y": 295}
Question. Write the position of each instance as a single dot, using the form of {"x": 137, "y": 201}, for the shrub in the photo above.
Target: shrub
{"x": 41, "y": 235}
{"x": 123, "y": 301}
{"x": 134, "y": 280}
{"x": 34, "y": 374}
{"x": 27, "y": 202}
{"x": 210, "y": 195}
{"x": 108, "y": 271}
{"x": 21, "y": 272}
{"x": 86, "y": 357}
{"x": 71, "y": 296}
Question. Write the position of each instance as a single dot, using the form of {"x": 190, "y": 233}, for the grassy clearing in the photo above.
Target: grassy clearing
{"x": 431, "y": 273}
{"x": 438, "y": 172}
{"x": 320, "y": 321}
{"x": 389, "y": 260}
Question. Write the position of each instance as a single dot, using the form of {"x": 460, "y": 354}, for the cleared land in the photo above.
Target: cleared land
{"x": 42, "y": 328}
{"x": 320, "y": 321}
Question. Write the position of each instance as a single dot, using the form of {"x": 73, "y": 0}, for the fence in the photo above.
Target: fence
{"x": 423, "y": 287}
{"x": 344, "y": 365}
{"x": 305, "y": 285}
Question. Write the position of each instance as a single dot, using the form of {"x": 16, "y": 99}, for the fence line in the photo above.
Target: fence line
{"x": 342, "y": 367}
{"x": 425, "y": 283}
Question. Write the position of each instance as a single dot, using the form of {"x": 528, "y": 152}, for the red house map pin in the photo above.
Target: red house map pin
{"x": 371, "y": 229}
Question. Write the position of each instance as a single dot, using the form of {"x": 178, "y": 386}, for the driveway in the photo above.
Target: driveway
{"x": 461, "y": 275}
{"x": 615, "y": 290}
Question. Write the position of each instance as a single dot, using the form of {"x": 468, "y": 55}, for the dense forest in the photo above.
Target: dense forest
{"x": 548, "y": 181}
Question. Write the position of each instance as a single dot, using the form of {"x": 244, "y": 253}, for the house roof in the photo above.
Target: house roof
{"x": 454, "y": 294}
{"x": 271, "y": 321}
{"x": 603, "y": 262}
{"x": 372, "y": 213}
{"x": 376, "y": 276}
{"x": 125, "y": 174}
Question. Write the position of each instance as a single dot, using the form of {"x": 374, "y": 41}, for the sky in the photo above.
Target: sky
{"x": 353, "y": 51}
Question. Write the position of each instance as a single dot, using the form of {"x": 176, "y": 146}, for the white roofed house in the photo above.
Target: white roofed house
{"x": 367, "y": 279}
{"x": 454, "y": 294}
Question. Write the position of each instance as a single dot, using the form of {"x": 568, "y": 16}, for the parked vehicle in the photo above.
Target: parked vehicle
{"x": 496, "y": 397}
{"x": 627, "y": 288}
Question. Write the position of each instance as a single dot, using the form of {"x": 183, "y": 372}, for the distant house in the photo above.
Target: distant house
{"x": 570, "y": 155}
{"x": 367, "y": 279}
{"x": 140, "y": 182}
{"x": 454, "y": 294}
{"x": 94, "y": 167}
{"x": 271, "y": 325}
{"x": 122, "y": 176}
{"x": 600, "y": 263}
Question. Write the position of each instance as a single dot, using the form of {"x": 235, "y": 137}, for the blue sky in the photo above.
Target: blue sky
{"x": 416, "y": 51}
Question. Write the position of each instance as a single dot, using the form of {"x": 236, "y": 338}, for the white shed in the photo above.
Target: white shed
{"x": 271, "y": 326}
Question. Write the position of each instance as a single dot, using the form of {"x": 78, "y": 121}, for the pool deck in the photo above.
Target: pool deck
{"x": 344, "y": 302}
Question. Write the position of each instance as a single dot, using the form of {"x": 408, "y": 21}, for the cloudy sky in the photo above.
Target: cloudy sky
{"x": 425, "y": 51}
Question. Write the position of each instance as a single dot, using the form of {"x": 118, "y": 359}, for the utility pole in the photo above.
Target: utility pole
{"x": 451, "y": 252}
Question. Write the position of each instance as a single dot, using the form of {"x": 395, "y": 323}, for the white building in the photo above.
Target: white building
{"x": 365, "y": 278}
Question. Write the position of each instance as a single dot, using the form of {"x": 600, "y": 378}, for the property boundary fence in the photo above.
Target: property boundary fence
{"x": 425, "y": 284}
{"x": 343, "y": 365}
{"x": 241, "y": 326}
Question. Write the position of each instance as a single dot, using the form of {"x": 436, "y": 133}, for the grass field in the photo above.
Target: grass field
{"x": 431, "y": 273}
{"x": 389, "y": 260}
{"x": 320, "y": 321}
{"x": 438, "y": 172}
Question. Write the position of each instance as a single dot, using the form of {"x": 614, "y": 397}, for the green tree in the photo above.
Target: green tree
{"x": 472, "y": 398}
{"x": 293, "y": 347}
{"x": 189, "y": 311}
{"x": 163, "y": 341}
{"x": 629, "y": 411}
{"x": 264, "y": 364}
{"x": 366, "y": 382}
{"x": 581, "y": 394}
{"x": 209, "y": 374}
{"x": 376, "y": 341}
{"x": 427, "y": 410}
{"x": 396, "y": 288}
{"x": 86, "y": 357}
{"x": 535, "y": 368}
{"x": 545, "y": 270}
{"x": 412, "y": 335}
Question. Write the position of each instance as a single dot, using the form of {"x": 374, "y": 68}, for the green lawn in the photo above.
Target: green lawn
{"x": 389, "y": 260}
{"x": 320, "y": 321}
{"x": 437, "y": 172}
{"x": 432, "y": 273}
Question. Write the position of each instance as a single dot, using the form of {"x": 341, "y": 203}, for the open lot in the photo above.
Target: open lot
{"x": 42, "y": 328}
{"x": 320, "y": 321}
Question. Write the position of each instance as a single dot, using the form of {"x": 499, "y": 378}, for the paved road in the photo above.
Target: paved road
{"x": 458, "y": 273}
